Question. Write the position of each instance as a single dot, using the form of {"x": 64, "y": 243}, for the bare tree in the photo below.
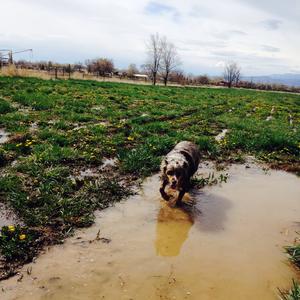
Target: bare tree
{"x": 178, "y": 76}
{"x": 169, "y": 59}
{"x": 154, "y": 52}
{"x": 100, "y": 66}
{"x": 202, "y": 79}
{"x": 78, "y": 66}
{"x": 232, "y": 74}
{"x": 132, "y": 69}
{"x": 104, "y": 66}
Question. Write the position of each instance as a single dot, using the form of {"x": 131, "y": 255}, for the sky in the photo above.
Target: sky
{"x": 262, "y": 36}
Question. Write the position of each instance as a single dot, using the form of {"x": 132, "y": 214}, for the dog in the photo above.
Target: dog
{"x": 179, "y": 165}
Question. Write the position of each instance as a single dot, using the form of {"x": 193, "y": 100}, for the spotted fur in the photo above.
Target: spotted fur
{"x": 178, "y": 167}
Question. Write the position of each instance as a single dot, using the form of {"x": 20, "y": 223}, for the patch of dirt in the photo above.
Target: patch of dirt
{"x": 4, "y": 136}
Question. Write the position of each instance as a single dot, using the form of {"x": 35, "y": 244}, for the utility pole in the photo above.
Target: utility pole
{"x": 9, "y": 55}
{"x": 3, "y": 53}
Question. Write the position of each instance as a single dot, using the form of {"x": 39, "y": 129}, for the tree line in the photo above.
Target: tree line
{"x": 162, "y": 65}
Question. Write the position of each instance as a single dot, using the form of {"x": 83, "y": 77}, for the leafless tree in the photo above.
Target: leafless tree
{"x": 178, "y": 76}
{"x": 101, "y": 66}
{"x": 202, "y": 79}
{"x": 169, "y": 59}
{"x": 232, "y": 74}
{"x": 78, "y": 66}
{"x": 132, "y": 69}
{"x": 104, "y": 66}
{"x": 154, "y": 53}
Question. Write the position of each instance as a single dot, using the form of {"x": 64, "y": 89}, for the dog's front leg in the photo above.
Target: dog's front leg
{"x": 180, "y": 196}
{"x": 162, "y": 190}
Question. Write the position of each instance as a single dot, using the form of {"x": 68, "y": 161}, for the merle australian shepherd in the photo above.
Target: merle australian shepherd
{"x": 178, "y": 167}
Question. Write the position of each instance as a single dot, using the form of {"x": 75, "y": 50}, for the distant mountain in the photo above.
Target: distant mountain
{"x": 286, "y": 79}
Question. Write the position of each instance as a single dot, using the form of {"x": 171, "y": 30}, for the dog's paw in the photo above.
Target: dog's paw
{"x": 190, "y": 203}
{"x": 167, "y": 198}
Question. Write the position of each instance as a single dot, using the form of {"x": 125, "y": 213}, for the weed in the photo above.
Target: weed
{"x": 294, "y": 253}
{"x": 18, "y": 243}
{"x": 211, "y": 179}
{"x": 292, "y": 294}
{"x": 5, "y": 107}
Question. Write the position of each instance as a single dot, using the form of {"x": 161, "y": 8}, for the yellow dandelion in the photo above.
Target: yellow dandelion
{"x": 22, "y": 237}
{"x": 11, "y": 228}
{"x": 130, "y": 138}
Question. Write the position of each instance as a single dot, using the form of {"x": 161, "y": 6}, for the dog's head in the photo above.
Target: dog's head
{"x": 175, "y": 172}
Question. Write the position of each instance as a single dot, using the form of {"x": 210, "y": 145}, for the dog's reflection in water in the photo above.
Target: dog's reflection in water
{"x": 172, "y": 229}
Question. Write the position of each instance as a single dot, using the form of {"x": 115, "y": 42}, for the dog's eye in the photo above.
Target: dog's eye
{"x": 170, "y": 173}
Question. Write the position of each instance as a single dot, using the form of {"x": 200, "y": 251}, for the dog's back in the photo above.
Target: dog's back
{"x": 191, "y": 153}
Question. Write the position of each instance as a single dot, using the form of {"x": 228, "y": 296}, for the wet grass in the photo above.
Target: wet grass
{"x": 294, "y": 253}
{"x": 294, "y": 256}
{"x": 60, "y": 128}
{"x": 292, "y": 294}
{"x": 5, "y": 107}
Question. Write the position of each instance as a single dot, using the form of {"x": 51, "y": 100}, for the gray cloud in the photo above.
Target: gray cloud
{"x": 250, "y": 59}
{"x": 227, "y": 54}
{"x": 272, "y": 24}
{"x": 156, "y": 8}
{"x": 199, "y": 11}
{"x": 205, "y": 43}
{"x": 284, "y": 9}
{"x": 270, "y": 48}
{"x": 228, "y": 34}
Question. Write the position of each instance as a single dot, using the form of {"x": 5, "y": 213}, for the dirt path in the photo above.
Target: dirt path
{"x": 229, "y": 246}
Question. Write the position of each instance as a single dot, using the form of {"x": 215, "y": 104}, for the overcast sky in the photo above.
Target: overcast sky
{"x": 261, "y": 35}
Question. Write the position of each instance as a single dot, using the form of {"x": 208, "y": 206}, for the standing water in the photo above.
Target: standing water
{"x": 228, "y": 246}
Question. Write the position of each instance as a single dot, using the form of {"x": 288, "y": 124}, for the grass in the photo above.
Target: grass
{"x": 292, "y": 294}
{"x": 59, "y": 128}
{"x": 294, "y": 253}
{"x": 5, "y": 107}
{"x": 294, "y": 256}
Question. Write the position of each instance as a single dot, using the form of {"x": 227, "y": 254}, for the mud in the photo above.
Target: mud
{"x": 109, "y": 163}
{"x": 228, "y": 246}
{"x": 33, "y": 127}
{"x": 7, "y": 217}
{"x": 221, "y": 135}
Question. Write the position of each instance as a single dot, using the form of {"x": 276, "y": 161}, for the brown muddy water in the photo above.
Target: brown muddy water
{"x": 228, "y": 246}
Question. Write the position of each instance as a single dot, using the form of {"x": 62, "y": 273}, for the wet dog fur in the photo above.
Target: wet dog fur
{"x": 178, "y": 167}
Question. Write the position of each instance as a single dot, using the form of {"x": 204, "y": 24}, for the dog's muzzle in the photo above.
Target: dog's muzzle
{"x": 173, "y": 185}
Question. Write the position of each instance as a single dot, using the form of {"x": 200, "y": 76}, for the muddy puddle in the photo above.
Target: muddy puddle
{"x": 228, "y": 246}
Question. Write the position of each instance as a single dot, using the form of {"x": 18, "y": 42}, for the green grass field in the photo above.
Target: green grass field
{"x": 59, "y": 128}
